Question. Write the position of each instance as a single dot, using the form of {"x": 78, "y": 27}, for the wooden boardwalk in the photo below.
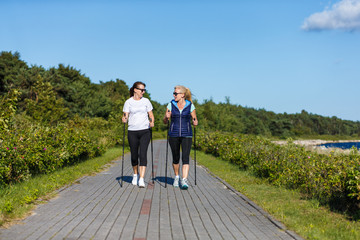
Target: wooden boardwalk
{"x": 100, "y": 208}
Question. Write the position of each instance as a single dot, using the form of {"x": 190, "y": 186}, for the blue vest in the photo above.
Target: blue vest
{"x": 180, "y": 122}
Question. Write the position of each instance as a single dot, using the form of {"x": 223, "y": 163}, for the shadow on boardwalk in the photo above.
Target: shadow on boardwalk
{"x": 100, "y": 208}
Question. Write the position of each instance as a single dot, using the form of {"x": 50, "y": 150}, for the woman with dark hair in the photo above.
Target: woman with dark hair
{"x": 181, "y": 110}
{"x": 138, "y": 113}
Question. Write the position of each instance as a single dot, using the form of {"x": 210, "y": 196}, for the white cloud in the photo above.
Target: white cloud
{"x": 344, "y": 15}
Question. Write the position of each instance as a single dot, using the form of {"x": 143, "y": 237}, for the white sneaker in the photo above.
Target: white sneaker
{"x": 184, "y": 184}
{"x": 135, "y": 179}
{"x": 141, "y": 183}
{"x": 176, "y": 181}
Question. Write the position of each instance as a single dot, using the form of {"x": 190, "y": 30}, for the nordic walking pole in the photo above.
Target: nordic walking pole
{"x": 195, "y": 150}
{"x": 167, "y": 147}
{"x": 152, "y": 156}
{"x": 122, "y": 162}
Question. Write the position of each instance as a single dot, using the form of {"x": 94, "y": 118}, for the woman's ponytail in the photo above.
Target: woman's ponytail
{"x": 188, "y": 94}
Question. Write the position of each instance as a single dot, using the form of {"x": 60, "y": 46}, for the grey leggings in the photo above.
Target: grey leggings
{"x": 139, "y": 143}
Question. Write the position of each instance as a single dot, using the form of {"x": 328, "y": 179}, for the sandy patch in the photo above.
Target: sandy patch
{"x": 313, "y": 145}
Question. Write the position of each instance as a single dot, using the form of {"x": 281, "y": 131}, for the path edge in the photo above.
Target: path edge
{"x": 278, "y": 224}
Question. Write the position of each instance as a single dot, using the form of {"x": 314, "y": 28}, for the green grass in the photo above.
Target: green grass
{"x": 17, "y": 200}
{"x": 305, "y": 217}
{"x": 159, "y": 135}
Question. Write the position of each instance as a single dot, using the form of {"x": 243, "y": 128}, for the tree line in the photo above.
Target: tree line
{"x": 228, "y": 117}
{"x": 61, "y": 93}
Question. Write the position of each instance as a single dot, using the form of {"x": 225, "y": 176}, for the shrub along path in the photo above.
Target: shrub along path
{"x": 99, "y": 208}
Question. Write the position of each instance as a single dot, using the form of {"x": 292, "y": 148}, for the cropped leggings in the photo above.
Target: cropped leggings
{"x": 185, "y": 143}
{"x": 139, "y": 143}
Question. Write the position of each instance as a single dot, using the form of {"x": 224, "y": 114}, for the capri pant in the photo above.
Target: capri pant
{"x": 185, "y": 143}
{"x": 139, "y": 143}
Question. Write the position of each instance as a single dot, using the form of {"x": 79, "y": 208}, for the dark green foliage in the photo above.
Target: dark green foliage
{"x": 235, "y": 118}
{"x": 78, "y": 92}
{"x": 76, "y": 95}
{"x": 159, "y": 112}
{"x": 43, "y": 105}
{"x": 10, "y": 68}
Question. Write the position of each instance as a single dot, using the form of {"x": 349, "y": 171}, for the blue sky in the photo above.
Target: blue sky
{"x": 281, "y": 55}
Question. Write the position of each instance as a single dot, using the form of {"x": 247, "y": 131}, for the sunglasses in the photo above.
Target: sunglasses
{"x": 176, "y": 93}
{"x": 142, "y": 90}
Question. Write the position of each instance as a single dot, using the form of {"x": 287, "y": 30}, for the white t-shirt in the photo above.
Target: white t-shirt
{"x": 138, "y": 113}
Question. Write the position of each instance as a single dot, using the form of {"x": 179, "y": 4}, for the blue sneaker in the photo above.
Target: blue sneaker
{"x": 184, "y": 184}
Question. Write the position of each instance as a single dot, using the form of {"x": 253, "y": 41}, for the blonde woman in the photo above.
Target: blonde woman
{"x": 181, "y": 111}
{"x": 138, "y": 110}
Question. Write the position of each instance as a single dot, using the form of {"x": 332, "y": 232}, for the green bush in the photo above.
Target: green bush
{"x": 30, "y": 148}
{"x": 329, "y": 178}
{"x": 8, "y": 109}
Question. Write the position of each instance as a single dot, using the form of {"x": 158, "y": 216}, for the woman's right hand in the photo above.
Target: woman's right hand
{"x": 167, "y": 116}
{"x": 124, "y": 118}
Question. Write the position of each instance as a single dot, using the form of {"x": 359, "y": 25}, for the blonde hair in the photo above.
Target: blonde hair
{"x": 186, "y": 91}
